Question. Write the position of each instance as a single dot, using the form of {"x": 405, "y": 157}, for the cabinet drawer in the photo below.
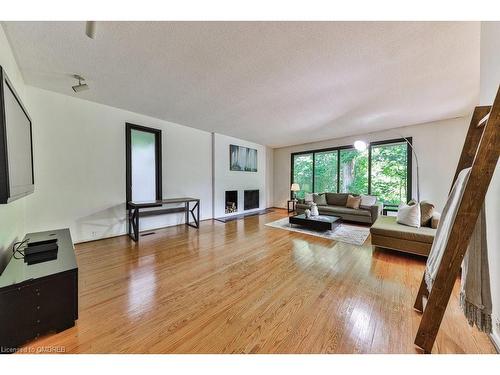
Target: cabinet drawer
{"x": 16, "y": 316}
{"x": 49, "y": 304}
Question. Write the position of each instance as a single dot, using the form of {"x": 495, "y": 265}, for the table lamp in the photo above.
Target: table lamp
{"x": 295, "y": 188}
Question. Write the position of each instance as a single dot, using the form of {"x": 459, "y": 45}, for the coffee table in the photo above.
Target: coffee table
{"x": 320, "y": 222}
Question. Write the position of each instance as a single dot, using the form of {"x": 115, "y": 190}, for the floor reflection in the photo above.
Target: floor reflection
{"x": 142, "y": 288}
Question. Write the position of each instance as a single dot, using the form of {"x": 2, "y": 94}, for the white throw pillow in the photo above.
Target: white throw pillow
{"x": 308, "y": 198}
{"x": 409, "y": 215}
{"x": 368, "y": 200}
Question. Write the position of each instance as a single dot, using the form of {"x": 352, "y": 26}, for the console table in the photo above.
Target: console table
{"x": 39, "y": 298}
{"x": 134, "y": 212}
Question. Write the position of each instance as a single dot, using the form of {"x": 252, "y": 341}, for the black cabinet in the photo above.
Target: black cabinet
{"x": 40, "y": 298}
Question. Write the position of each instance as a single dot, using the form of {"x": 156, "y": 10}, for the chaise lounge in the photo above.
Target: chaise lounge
{"x": 387, "y": 233}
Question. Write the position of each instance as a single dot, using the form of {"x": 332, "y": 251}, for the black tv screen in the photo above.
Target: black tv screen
{"x": 16, "y": 148}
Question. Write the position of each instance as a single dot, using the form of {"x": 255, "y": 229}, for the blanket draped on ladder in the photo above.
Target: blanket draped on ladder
{"x": 475, "y": 294}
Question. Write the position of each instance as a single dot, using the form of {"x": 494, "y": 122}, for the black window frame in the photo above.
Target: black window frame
{"x": 409, "y": 161}
{"x": 128, "y": 159}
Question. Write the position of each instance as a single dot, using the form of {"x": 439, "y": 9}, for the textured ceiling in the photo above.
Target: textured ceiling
{"x": 275, "y": 83}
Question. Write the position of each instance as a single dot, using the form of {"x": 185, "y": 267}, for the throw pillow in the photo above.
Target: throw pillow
{"x": 336, "y": 199}
{"x": 426, "y": 211}
{"x": 353, "y": 202}
{"x": 368, "y": 200}
{"x": 409, "y": 215}
{"x": 436, "y": 216}
{"x": 308, "y": 198}
{"x": 320, "y": 199}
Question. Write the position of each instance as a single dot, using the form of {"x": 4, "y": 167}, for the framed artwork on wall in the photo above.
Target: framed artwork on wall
{"x": 242, "y": 159}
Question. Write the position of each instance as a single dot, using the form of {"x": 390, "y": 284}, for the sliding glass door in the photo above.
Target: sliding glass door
{"x": 384, "y": 170}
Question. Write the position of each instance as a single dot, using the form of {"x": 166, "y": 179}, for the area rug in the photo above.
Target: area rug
{"x": 350, "y": 234}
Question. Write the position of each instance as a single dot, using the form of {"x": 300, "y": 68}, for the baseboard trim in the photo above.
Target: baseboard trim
{"x": 142, "y": 231}
{"x": 495, "y": 340}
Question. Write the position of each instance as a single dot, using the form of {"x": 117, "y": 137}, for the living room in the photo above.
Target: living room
{"x": 265, "y": 187}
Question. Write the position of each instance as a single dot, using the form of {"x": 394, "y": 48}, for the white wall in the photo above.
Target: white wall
{"x": 490, "y": 80}
{"x": 12, "y": 215}
{"x": 269, "y": 177}
{"x": 79, "y": 153}
{"x": 225, "y": 179}
{"x": 438, "y": 145}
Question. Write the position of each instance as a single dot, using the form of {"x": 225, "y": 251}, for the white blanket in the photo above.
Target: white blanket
{"x": 475, "y": 297}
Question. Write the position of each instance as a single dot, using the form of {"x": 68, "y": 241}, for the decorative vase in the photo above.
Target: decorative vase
{"x": 314, "y": 210}
{"x": 307, "y": 212}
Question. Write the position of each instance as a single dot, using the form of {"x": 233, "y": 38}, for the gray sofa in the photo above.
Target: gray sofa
{"x": 336, "y": 207}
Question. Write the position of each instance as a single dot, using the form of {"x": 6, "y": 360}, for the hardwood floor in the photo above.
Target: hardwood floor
{"x": 242, "y": 287}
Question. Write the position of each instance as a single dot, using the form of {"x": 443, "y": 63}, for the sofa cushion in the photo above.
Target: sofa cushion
{"x": 332, "y": 210}
{"x": 353, "y": 202}
{"x": 302, "y": 206}
{"x": 388, "y": 227}
{"x": 409, "y": 215}
{"x": 308, "y": 198}
{"x": 336, "y": 199}
{"x": 368, "y": 200}
{"x": 320, "y": 199}
{"x": 436, "y": 216}
{"x": 426, "y": 211}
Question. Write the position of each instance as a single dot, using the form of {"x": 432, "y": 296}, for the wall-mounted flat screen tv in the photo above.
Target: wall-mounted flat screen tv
{"x": 242, "y": 158}
{"x": 16, "y": 148}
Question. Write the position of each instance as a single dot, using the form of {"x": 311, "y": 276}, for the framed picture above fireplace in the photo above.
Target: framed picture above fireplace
{"x": 242, "y": 159}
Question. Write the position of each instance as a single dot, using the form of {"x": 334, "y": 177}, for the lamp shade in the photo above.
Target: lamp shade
{"x": 295, "y": 187}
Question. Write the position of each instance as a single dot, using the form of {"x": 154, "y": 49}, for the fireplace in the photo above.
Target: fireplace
{"x": 231, "y": 201}
{"x": 251, "y": 199}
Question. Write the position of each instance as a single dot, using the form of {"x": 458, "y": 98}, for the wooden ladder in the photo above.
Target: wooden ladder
{"x": 481, "y": 151}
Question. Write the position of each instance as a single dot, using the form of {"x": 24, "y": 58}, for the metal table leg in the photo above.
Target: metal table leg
{"x": 196, "y": 217}
{"x": 133, "y": 223}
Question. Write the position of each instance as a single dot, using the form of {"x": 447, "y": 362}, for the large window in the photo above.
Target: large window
{"x": 325, "y": 171}
{"x": 353, "y": 171}
{"x": 389, "y": 172}
{"x": 303, "y": 173}
{"x": 384, "y": 170}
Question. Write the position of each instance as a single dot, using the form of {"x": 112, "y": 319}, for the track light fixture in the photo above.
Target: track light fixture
{"x": 90, "y": 29}
{"x": 81, "y": 86}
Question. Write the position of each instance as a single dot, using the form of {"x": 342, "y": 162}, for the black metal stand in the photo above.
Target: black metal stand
{"x": 189, "y": 212}
{"x": 133, "y": 223}
{"x": 293, "y": 202}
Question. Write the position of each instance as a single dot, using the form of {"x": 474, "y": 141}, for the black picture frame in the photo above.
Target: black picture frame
{"x": 231, "y": 168}
{"x": 128, "y": 159}
{"x": 5, "y": 193}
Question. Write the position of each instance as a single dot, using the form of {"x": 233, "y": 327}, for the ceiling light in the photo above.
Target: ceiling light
{"x": 360, "y": 145}
{"x": 81, "y": 86}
